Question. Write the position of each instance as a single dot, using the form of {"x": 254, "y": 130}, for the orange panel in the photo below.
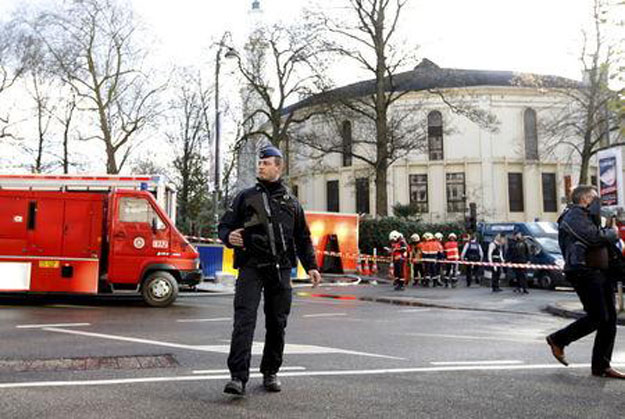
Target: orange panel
{"x": 345, "y": 226}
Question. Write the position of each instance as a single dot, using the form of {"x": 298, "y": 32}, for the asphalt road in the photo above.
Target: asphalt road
{"x": 345, "y": 358}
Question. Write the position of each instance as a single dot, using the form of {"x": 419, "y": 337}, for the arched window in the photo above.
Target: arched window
{"x": 435, "y": 135}
{"x": 346, "y": 135}
{"x": 531, "y": 135}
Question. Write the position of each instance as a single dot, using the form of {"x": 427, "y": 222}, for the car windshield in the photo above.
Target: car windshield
{"x": 543, "y": 229}
{"x": 549, "y": 244}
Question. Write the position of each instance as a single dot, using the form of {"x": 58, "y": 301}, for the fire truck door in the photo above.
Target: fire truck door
{"x": 139, "y": 236}
{"x": 82, "y": 230}
{"x": 45, "y": 225}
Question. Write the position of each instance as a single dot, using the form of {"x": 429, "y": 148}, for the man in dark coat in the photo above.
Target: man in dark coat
{"x": 519, "y": 252}
{"x": 585, "y": 248}
{"x": 267, "y": 228}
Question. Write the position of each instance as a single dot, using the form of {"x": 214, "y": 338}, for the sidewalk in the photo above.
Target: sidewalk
{"x": 476, "y": 298}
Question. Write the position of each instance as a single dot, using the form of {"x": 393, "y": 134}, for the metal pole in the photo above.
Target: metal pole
{"x": 217, "y": 140}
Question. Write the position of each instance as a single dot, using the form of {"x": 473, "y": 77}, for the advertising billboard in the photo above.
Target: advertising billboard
{"x": 610, "y": 176}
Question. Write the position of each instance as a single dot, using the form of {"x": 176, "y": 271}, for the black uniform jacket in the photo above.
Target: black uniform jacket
{"x": 292, "y": 236}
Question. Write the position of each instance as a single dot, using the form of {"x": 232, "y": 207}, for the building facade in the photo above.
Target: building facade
{"x": 506, "y": 169}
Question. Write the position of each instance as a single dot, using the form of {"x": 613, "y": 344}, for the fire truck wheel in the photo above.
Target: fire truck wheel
{"x": 160, "y": 289}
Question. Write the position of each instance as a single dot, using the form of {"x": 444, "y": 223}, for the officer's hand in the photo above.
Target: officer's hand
{"x": 315, "y": 277}
{"x": 235, "y": 238}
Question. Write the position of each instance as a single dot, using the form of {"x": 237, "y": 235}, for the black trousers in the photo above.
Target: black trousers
{"x": 521, "y": 279}
{"x": 596, "y": 293}
{"x": 251, "y": 283}
{"x": 471, "y": 271}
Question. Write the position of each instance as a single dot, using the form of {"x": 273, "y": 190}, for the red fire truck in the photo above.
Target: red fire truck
{"x": 90, "y": 236}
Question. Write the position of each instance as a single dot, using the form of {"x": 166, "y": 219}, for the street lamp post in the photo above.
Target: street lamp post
{"x": 222, "y": 45}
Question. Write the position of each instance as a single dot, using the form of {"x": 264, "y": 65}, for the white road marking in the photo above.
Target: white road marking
{"x": 257, "y": 347}
{"x": 220, "y": 319}
{"x": 495, "y": 338}
{"x": 35, "y": 384}
{"x": 415, "y": 310}
{"x": 441, "y": 363}
{"x": 282, "y": 369}
{"x": 325, "y": 315}
{"x": 39, "y": 326}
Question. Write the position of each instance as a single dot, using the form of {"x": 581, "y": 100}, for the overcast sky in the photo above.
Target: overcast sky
{"x": 540, "y": 36}
{"x": 534, "y": 35}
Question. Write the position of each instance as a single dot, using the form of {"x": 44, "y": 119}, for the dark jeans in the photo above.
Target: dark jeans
{"x": 472, "y": 270}
{"x": 521, "y": 279}
{"x": 596, "y": 293}
{"x": 251, "y": 283}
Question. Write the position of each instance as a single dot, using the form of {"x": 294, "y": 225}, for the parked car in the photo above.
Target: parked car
{"x": 542, "y": 238}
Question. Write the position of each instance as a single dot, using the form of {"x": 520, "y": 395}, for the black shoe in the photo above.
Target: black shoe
{"x": 525, "y": 292}
{"x": 271, "y": 383}
{"x": 236, "y": 387}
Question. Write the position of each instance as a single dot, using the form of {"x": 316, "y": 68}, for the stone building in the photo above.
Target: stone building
{"x": 506, "y": 169}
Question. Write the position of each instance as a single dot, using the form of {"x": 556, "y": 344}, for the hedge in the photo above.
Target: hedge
{"x": 373, "y": 232}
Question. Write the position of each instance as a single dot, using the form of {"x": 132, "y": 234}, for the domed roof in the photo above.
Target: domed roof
{"x": 427, "y": 75}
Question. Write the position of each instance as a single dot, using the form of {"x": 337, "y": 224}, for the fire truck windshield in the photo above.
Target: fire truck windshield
{"x": 138, "y": 210}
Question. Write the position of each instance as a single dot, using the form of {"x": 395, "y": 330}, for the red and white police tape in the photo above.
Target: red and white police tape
{"x": 371, "y": 258}
{"x": 365, "y": 257}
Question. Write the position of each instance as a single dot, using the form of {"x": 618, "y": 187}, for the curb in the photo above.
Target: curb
{"x": 556, "y": 310}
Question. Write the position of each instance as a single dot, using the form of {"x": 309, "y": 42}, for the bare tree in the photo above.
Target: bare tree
{"x": 65, "y": 118}
{"x": 280, "y": 64}
{"x": 96, "y": 51}
{"x": 12, "y": 65}
{"x": 189, "y": 138}
{"x": 39, "y": 84}
{"x": 388, "y": 130}
{"x": 587, "y": 119}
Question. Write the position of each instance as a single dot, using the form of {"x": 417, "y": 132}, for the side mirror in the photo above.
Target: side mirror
{"x": 154, "y": 225}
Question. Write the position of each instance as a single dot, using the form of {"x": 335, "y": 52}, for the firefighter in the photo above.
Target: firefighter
{"x": 267, "y": 229}
{"x": 429, "y": 250}
{"x": 398, "y": 249}
{"x": 472, "y": 252}
{"x": 440, "y": 255}
{"x": 451, "y": 254}
{"x": 415, "y": 259}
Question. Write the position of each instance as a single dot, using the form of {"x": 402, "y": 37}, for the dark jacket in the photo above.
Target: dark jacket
{"x": 292, "y": 236}
{"x": 577, "y": 233}
{"x": 519, "y": 251}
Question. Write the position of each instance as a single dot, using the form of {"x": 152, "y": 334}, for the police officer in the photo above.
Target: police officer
{"x": 495, "y": 255}
{"x": 267, "y": 228}
{"x": 519, "y": 252}
{"x": 585, "y": 247}
{"x": 472, "y": 252}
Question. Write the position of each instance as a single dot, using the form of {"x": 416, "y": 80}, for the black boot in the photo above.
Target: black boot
{"x": 236, "y": 387}
{"x": 271, "y": 383}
